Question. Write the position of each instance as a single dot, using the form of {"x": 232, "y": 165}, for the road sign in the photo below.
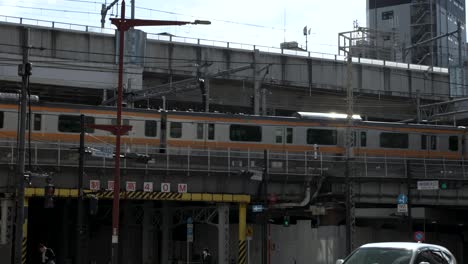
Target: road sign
{"x": 165, "y": 187}
{"x": 428, "y": 185}
{"x": 189, "y": 232}
{"x": 147, "y": 186}
{"x": 419, "y": 236}
{"x": 257, "y": 208}
{"x": 110, "y": 185}
{"x": 94, "y": 185}
{"x": 402, "y": 208}
{"x": 130, "y": 186}
{"x": 182, "y": 188}
{"x": 402, "y": 199}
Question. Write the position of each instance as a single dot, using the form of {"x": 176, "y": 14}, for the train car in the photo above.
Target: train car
{"x": 323, "y": 133}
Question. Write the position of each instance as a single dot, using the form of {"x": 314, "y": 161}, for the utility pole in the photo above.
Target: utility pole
{"x": 79, "y": 224}
{"x": 24, "y": 72}
{"x": 118, "y": 130}
{"x": 265, "y": 238}
{"x": 349, "y": 144}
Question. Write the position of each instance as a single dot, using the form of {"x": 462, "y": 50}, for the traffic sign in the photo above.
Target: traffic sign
{"x": 428, "y": 185}
{"x": 189, "y": 231}
{"x": 402, "y": 199}
{"x": 402, "y": 208}
{"x": 257, "y": 208}
{"x": 419, "y": 236}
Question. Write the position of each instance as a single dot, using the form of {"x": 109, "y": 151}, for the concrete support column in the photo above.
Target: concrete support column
{"x": 223, "y": 234}
{"x": 242, "y": 230}
{"x": 166, "y": 232}
{"x": 147, "y": 237}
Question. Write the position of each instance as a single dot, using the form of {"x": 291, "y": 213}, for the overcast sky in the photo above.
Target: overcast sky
{"x": 259, "y": 22}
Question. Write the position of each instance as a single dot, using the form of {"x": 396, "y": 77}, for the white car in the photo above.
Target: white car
{"x": 399, "y": 253}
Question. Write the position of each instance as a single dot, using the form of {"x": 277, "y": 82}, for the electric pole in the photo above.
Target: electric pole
{"x": 79, "y": 224}
{"x": 24, "y": 71}
{"x": 349, "y": 145}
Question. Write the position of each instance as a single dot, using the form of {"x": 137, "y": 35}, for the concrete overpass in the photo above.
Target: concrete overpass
{"x": 81, "y": 61}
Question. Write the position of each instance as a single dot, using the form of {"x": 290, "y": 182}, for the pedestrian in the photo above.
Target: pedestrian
{"x": 47, "y": 254}
{"x": 206, "y": 256}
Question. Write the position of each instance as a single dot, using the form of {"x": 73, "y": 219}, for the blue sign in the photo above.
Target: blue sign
{"x": 257, "y": 208}
{"x": 189, "y": 220}
{"x": 402, "y": 199}
{"x": 419, "y": 236}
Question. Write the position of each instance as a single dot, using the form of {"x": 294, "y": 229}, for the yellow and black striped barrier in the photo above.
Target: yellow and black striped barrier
{"x": 24, "y": 244}
{"x": 166, "y": 196}
{"x": 242, "y": 252}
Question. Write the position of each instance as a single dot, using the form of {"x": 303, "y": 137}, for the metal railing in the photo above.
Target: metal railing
{"x": 279, "y": 163}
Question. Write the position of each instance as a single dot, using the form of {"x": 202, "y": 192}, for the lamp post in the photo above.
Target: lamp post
{"x": 123, "y": 25}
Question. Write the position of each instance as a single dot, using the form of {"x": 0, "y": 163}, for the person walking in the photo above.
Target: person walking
{"x": 206, "y": 256}
{"x": 47, "y": 254}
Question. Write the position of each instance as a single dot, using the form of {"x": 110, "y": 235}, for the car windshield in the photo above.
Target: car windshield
{"x": 380, "y": 256}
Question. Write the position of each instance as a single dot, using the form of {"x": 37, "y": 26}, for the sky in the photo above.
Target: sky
{"x": 257, "y": 22}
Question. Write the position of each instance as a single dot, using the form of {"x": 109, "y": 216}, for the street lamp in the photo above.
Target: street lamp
{"x": 123, "y": 25}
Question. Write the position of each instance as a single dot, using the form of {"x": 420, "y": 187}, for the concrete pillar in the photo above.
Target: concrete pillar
{"x": 242, "y": 229}
{"x": 166, "y": 224}
{"x": 223, "y": 234}
{"x": 147, "y": 243}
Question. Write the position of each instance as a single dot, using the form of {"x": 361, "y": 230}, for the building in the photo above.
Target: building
{"x": 418, "y": 21}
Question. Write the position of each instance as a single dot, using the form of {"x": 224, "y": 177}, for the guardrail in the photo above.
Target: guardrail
{"x": 222, "y": 44}
{"x": 190, "y": 160}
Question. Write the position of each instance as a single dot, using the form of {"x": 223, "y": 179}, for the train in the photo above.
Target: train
{"x": 323, "y": 133}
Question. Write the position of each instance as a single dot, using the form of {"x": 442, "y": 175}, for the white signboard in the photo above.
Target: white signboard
{"x": 148, "y": 187}
{"x": 94, "y": 185}
{"x": 402, "y": 208}
{"x": 165, "y": 187}
{"x": 103, "y": 152}
{"x": 110, "y": 185}
{"x": 130, "y": 186}
{"x": 428, "y": 185}
{"x": 182, "y": 188}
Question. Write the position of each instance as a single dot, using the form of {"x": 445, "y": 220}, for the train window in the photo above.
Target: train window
{"x": 37, "y": 122}
{"x": 71, "y": 123}
{"x": 453, "y": 143}
{"x": 433, "y": 142}
{"x": 289, "y": 135}
{"x": 363, "y": 139}
{"x": 423, "y": 142}
{"x": 321, "y": 136}
{"x": 1, "y": 118}
{"x": 176, "y": 130}
{"x": 279, "y": 135}
{"x": 199, "y": 131}
{"x": 151, "y": 128}
{"x": 211, "y": 131}
{"x": 393, "y": 140}
{"x": 245, "y": 133}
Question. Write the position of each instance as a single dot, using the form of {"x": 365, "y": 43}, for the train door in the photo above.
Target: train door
{"x": 205, "y": 133}
{"x": 428, "y": 143}
{"x": 359, "y": 142}
{"x": 283, "y": 137}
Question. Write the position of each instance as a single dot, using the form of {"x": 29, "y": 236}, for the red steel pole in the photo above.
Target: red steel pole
{"x": 116, "y": 201}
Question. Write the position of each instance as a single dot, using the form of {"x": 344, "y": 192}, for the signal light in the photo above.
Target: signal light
{"x": 286, "y": 220}
{"x": 443, "y": 186}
